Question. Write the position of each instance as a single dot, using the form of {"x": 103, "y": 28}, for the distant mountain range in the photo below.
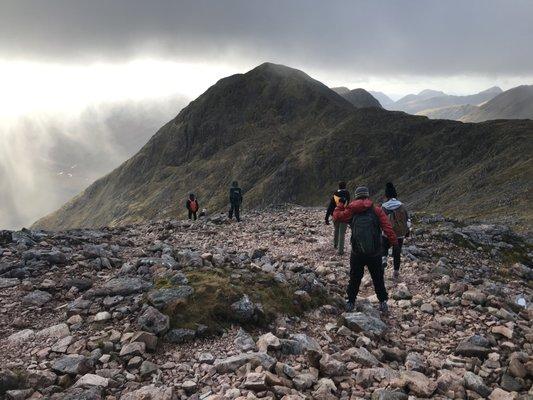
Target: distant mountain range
{"x": 287, "y": 137}
{"x": 360, "y": 98}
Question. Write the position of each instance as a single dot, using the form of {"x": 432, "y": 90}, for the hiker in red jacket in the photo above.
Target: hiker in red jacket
{"x": 192, "y": 206}
{"x": 367, "y": 222}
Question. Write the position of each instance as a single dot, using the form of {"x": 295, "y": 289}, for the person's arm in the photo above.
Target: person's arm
{"x": 241, "y": 197}
{"x": 188, "y": 205}
{"x": 330, "y": 209}
{"x": 386, "y": 226}
{"x": 343, "y": 213}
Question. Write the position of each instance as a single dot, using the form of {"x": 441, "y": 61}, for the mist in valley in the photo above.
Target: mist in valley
{"x": 47, "y": 158}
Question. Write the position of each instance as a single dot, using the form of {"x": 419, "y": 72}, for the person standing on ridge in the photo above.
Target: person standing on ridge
{"x": 367, "y": 222}
{"x": 235, "y": 200}
{"x": 339, "y": 228}
{"x": 399, "y": 219}
{"x": 192, "y": 206}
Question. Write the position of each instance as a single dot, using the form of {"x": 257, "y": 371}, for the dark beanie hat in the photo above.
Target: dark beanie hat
{"x": 390, "y": 191}
{"x": 361, "y": 192}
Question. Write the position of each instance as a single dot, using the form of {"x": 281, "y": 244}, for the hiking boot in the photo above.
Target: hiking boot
{"x": 350, "y": 305}
{"x": 383, "y": 307}
{"x": 396, "y": 275}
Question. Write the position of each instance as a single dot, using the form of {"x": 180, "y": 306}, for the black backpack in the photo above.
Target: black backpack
{"x": 366, "y": 233}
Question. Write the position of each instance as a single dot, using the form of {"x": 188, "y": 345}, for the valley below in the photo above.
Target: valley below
{"x": 174, "y": 309}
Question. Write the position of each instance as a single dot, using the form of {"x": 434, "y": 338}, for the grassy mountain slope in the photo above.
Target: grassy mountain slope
{"x": 360, "y": 98}
{"x": 288, "y": 138}
{"x": 450, "y": 112}
{"x": 516, "y": 103}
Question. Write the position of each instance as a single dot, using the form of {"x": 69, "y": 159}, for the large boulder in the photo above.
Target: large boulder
{"x": 73, "y": 364}
{"x": 8, "y": 381}
{"x": 180, "y": 335}
{"x": 232, "y": 363}
{"x": 475, "y": 383}
{"x": 37, "y": 298}
{"x": 120, "y": 286}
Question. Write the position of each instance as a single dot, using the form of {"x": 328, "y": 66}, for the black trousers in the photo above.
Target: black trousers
{"x": 235, "y": 208}
{"x": 396, "y": 253}
{"x": 357, "y": 271}
{"x": 192, "y": 215}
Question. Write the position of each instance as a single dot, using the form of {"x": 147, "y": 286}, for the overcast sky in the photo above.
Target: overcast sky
{"x": 455, "y": 45}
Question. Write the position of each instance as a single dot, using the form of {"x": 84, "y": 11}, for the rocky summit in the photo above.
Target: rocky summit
{"x": 214, "y": 310}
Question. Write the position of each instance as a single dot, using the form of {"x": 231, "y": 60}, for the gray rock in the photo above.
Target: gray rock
{"x": 475, "y": 346}
{"x": 8, "y": 381}
{"x": 244, "y": 341}
{"x": 475, "y": 383}
{"x": 153, "y": 321}
{"x": 20, "y": 394}
{"x": 132, "y": 349}
{"x": 304, "y": 380}
{"x": 37, "y": 298}
{"x": 82, "y": 284}
{"x": 402, "y": 293}
{"x": 163, "y": 298}
{"x": 78, "y": 393}
{"x": 329, "y": 366}
{"x": 415, "y": 362}
{"x": 244, "y": 309}
{"x": 360, "y": 322}
{"x": 231, "y": 364}
{"x": 74, "y": 364}
{"x": 120, "y": 286}
{"x": 510, "y": 384}
{"x": 387, "y": 394}
{"x": 8, "y": 282}
{"x": 363, "y": 357}
{"x": 150, "y": 392}
{"x": 149, "y": 339}
{"x": 180, "y": 335}
{"x": 148, "y": 368}
{"x": 89, "y": 380}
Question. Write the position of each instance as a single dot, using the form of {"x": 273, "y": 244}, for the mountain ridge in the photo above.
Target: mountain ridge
{"x": 288, "y": 138}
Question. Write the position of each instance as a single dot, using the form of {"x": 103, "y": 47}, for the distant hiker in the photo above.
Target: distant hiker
{"x": 399, "y": 219}
{"x": 192, "y": 206}
{"x": 235, "y": 200}
{"x": 367, "y": 222}
{"x": 339, "y": 228}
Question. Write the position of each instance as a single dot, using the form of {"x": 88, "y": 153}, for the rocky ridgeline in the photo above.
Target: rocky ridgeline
{"x": 216, "y": 310}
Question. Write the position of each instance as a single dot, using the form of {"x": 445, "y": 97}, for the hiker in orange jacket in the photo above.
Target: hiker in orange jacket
{"x": 339, "y": 228}
{"x": 192, "y": 206}
{"x": 367, "y": 222}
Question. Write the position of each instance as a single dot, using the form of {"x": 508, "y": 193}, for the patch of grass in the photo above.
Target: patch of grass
{"x": 215, "y": 289}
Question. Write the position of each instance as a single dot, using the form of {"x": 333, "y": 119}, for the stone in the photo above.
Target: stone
{"x": 510, "y": 384}
{"x": 475, "y": 383}
{"x": 502, "y": 331}
{"x": 360, "y": 322}
{"x": 180, "y": 335}
{"x": 54, "y": 332}
{"x": 232, "y": 363}
{"x": 470, "y": 348}
{"x": 22, "y": 336}
{"x": 88, "y": 380}
{"x": 363, "y": 356}
{"x": 255, "y": 381}
{"x": 475, "y": 296}
{"x": 149, "y": 339}
{"x": 415, "y": 362}
{"x": 268, "y": 341}
{"x": 73, "y": 364}
{"x": 244, "y": 309}
{"x": 37, "y": 298}
{"x": 132, "y": 349}
{"x": 169, "y": 297}
{"x": 244, "y": 341}
{"x": 517, "y": 368}
{"x": 40, "y": 379}
{"x": 393, "y": 354}
{"x": 8, "y": 381}
{"x": 62, "y": 345}
{"x": 150, "y": 392}
{"x": 148, "y": 368}
{"x": 102, "y": 316}
{"x": 20, "y": 394}
{"x": 9, "y": 282}
{"x": 387, "y": 394}
{"x": 189, "y": 386}
{"x": 416, "y": 382}
{"x": 500, "y": 394}
{"x": 154, "y": 321}
{"x": 402, "y": 292}
{"x": 329, "y": 366}
{"x": 427, "y": 308}
{"x": 304, "y": 381}
{"x": 206, "y": 358}
{"x": 122, "y": 286}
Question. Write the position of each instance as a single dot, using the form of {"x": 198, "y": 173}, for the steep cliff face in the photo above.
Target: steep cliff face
{"x": 288, "y": 138}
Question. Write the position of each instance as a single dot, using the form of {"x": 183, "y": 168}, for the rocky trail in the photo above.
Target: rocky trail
{"x": 219, "y": 310}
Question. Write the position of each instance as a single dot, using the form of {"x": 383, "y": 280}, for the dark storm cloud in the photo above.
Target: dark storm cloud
{"x": 379, "y": 37}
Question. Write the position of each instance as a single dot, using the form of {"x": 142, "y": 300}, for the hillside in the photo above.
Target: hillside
{"x": 451, "y": 112}
{"x": 431, "y": 100}
{"x": 288, "y": 138}
{"x": 207, "y": 310}
{"x": 383, "y": 99}
{"x": 360, "y": 98}
{"x": 516, "y": 103}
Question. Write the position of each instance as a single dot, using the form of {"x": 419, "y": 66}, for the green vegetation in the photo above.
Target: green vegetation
{"x": 215, "y": 289}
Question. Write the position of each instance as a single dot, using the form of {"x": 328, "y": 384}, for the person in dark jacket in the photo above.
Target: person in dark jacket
{"x": 339, "y": 228}
{"x": 235, "y": 200}
{"x": 192, "y": 206}
{"x": 366, "y": 252}
{"x": 401, "y": 223}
